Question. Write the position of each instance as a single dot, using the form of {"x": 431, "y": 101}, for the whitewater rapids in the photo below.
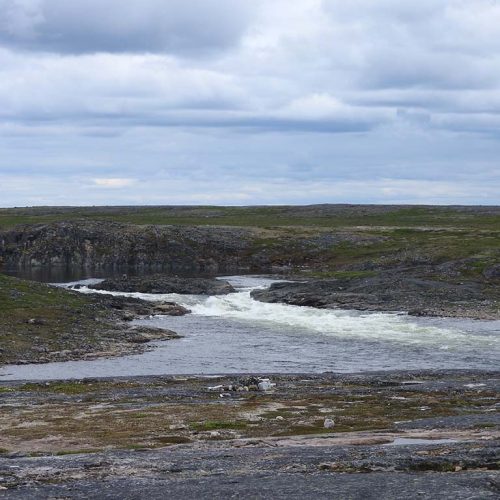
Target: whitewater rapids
{"x": 236, "y": 334}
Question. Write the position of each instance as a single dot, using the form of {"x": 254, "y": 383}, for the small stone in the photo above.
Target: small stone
{"x": 328, "y": 466}
{"x": 35, "y": 321}
{"x": 254, "y": 419}
{"x": 329, "y": 423}
{"x": 279, "y": 418}
{"x": 177, "y": 427}
{"x": 215, "y": 388}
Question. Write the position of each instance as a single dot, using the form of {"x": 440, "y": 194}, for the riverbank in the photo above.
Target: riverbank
{"x": 425, "y": 261}
{"x": 417, "y": 291}
{"x": 90, "y": 438}
{"x": 41, "y": 323}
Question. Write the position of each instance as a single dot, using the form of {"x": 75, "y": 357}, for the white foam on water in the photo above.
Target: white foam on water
{"x": 347, "y": 324}
{"x": 236, "y": 334}
{"x": 338, "y": 323}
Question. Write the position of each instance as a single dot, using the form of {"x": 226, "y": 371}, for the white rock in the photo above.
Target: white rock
{"x": 254, "y": 419}
{"x": 177, "y": 427}
{"x": 329, "y": 423}
{"x": 265, "y": 384}
{"x": 279, "y": 417}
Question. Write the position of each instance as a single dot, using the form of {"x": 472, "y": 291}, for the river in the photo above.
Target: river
{"x": 236, "y": 334}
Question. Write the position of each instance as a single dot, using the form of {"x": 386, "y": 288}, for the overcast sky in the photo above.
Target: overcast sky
{"x": 249, "y": 101}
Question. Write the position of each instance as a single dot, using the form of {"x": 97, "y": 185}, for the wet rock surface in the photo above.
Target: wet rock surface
{"x": 129, "y": 308}
{"x": 391, "y": 291}
{"x": 165, "y": 284}
{"x": 369, "y": 453}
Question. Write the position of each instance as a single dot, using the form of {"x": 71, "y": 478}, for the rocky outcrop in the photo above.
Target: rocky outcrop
{"x": 115, "y": 247}
{"x": 110, "y": 245}
{"x": 40, "y": 323}
{"x": 129, "y": 308}
{"x": 164, "y": 284}
{"x": 390, "y": 291}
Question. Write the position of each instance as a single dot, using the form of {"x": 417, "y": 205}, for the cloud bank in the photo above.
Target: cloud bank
{"x": 238, "y": 102}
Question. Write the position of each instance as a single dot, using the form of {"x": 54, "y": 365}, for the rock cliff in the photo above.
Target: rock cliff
{"x": 110, "y": 245}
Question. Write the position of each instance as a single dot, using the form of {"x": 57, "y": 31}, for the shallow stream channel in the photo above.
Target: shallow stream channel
{"x": 236, "y": 334}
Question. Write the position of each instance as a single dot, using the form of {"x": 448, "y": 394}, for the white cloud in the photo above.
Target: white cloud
{"x": 114, "y": 183}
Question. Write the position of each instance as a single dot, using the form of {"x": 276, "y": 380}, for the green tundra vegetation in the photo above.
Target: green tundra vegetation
{"x": 328, "y": 216}
{"x": 34, "y": 314}
{"x": 435, "y": 233}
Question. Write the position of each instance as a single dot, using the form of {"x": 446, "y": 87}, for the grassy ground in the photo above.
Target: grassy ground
{"x": 329, "y": 216}
{"x": 391, "y": 248}
{"x": 35, "y": 316}
{"x": 137, "y": 413}
{"x": 40, "y": 323}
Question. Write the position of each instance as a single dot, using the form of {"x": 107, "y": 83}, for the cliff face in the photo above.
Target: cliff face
{"x": 108, "y": 245}
{"x": 102, "y": 245}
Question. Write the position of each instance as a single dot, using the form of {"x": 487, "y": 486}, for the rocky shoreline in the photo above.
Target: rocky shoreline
{"x": 43, "y": 323}
{"x": 395, "y": 434}
{"x": 426, "y": 271}
{"x": 109, "y": 246}
{"x": 99, "y": 324}
{"x": 390, "y": 291}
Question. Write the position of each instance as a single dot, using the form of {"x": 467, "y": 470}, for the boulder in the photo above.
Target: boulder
{"x": 492, "y": 272}
{"x": 129, "y": 308}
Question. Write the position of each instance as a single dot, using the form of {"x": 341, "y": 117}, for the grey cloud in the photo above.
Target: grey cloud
{"x": 315, "y": 101}
{"x": 89, "y": 26}
{"x": 435, "y": 44}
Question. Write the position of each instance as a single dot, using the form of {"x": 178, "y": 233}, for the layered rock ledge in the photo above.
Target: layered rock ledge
{"x": 390, "y": 291}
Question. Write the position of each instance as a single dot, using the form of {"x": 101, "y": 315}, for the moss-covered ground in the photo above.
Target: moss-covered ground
{"x": 331, "y": 216}
{"x": 40, "y": 323}
{"x": 71, "y": 416}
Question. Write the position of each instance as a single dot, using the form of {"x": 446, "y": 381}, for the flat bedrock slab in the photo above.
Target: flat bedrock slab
{"x": 389, "y": 291}
{"x": 356, "y": 472}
